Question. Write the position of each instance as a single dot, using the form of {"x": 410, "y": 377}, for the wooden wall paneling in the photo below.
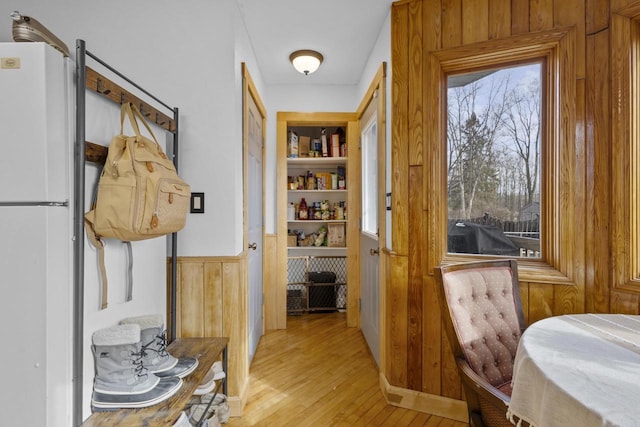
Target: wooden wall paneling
{"x": 475, "y": 21}
{"x": 619, "y": 4}
{"x": 434, "y": 187}
{"x": 416, "y": 93}
{"x": 432, "y": 25}
{"x": 399, "y": 130}
{"x": 499, "y": 19}
{"x": 597, "y": 16}
{"x": 432, "y": 368}
{"x": 519, "y": 17}
{"x": 451, "y": 385}
{"x": 415, "y": 292}
{"x": 212, "y": 302}
{"x": 578, "y": 249}
{"x": 270, "y": 285}
{"x": 235, "y": 319}
{"x": 564, "y": 178}
{"x": 541, "y": 15}
{"x": 451, "y": 23}
{"x": 598, "y": 124}
{"x": 430, "y": 316}
{"x": 540, "y": 301}
{"x": 625, "y": 303}
{"x": 397, "y": 322}
{"x": 191, "y": 289}
{"x": 524, "y": 297}
{"x": 620, "y": 65}
{"x": 572, "y": 13}
{"x": 416, "y": 204}
{"x": 568, "y": 299}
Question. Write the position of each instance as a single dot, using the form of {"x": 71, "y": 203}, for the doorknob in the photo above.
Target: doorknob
{"x": 253, "y": 246}
{"x": 373, "y": 252}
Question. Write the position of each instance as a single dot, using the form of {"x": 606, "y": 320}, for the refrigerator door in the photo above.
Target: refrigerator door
{"x": 34, "y": 132}
{"x": 36, "y": 312}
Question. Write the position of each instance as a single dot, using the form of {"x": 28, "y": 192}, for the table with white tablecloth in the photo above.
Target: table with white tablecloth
{"x": 578, "y": 370}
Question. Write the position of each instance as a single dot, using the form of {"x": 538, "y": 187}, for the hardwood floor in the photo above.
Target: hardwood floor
{"x": 318, "y": 372}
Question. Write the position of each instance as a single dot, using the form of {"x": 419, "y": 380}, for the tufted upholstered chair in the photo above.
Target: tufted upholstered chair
{"x": 483, "y": 319}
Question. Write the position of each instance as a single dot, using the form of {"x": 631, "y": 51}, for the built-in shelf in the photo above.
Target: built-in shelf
{"x": 316, "y": 161}
{"x": 321, "y": 248}
{"x": 310, "y": 221}
{"x": 318, "y": 191}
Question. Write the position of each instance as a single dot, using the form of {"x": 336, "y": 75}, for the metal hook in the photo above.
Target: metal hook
{"x": 122, "y": 98}
{"x": 157, "y": 120}
{"x": 147, "y": 114}
{"x": 101, "y": 89}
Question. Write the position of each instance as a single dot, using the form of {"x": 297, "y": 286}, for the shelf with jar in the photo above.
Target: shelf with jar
{"x": 317, "y": 180}
{"x": 316, "y": 224}
{"x": 306, "y": 142}
{"x": 323, "y": 210}
{"x": 330, "y": 235}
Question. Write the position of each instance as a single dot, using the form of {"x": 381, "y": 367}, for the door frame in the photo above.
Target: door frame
{"x": 377, "y": 93}
{"x": 277, "y": 310}
{"x": 249, "y": 90}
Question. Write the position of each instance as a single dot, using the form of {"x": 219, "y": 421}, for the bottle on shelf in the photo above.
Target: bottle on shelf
{"x": 302, "y": 210}
{"x": 291, "y": 212}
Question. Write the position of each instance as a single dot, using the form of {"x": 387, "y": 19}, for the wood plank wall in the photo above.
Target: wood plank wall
{"x": 212, "y": 301}
{"x": 417, "y": 354}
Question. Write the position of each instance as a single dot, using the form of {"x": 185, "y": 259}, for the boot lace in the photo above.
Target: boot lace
{"x": 137, "y": 361}
{"x": 160, "y": 342}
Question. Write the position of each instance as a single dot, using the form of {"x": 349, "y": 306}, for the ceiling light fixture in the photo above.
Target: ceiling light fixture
{"x": 306, "y": 61}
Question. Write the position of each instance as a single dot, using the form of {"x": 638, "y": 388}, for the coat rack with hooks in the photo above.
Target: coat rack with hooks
{"x": 88, "y": 79}
{"x": 114, "y": 92}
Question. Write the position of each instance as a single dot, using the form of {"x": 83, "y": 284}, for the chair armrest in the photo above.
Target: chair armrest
{"x": 483, "y": 387}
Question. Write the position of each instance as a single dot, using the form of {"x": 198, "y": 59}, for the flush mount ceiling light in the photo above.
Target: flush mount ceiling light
{"x": 306, "y": 61}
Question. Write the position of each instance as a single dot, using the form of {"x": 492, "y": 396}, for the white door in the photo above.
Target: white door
{"x": 369, "y": 293}
{"x": 254, "y": 218}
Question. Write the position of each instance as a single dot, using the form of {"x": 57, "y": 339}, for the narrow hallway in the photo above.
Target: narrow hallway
{"x": 318, "y": 372}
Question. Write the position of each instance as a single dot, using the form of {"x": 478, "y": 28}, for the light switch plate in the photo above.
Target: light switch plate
{"x": 197, "y": 202}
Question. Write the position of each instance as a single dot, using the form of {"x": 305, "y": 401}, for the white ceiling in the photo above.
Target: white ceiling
{"x": 343, "y": 31}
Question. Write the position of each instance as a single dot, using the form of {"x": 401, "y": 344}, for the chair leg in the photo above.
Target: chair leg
{"x": 475, "y": 420}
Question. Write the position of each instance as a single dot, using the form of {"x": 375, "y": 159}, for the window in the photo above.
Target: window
{"x": 369, "y": 145}
{"x": 493, "y": 161}
{"x": 559, "y": 195}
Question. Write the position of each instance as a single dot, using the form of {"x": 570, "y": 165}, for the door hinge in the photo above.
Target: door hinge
{"x": 388, "y": 201}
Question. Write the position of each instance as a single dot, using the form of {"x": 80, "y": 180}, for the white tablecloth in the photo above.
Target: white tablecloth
{"x": 578, "y": 370}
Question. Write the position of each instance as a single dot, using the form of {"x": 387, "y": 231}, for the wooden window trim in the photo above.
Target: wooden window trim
{"x": 625, "y": 146}
{"x": 555, "y": 49}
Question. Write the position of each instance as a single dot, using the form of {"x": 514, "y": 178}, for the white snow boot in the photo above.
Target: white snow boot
{"x": 119, "y": 362}
{"x": 154, "y": 347}
{"x": 154, "y": 342}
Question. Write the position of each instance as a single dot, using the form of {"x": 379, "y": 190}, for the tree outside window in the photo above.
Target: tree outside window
{"x": 494, "y": 124}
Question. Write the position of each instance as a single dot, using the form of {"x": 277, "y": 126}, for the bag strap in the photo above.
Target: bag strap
{"x": 99, "y": 245}
{"x": 131, "y": 111}
{"x": 95, "y": 240}
{"x": 129, "y": 288}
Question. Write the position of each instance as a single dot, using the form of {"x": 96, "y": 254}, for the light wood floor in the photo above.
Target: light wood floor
{"x": 318, "y": 372}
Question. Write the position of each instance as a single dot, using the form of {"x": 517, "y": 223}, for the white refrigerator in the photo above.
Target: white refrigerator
{"x": 36, "y": 235}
